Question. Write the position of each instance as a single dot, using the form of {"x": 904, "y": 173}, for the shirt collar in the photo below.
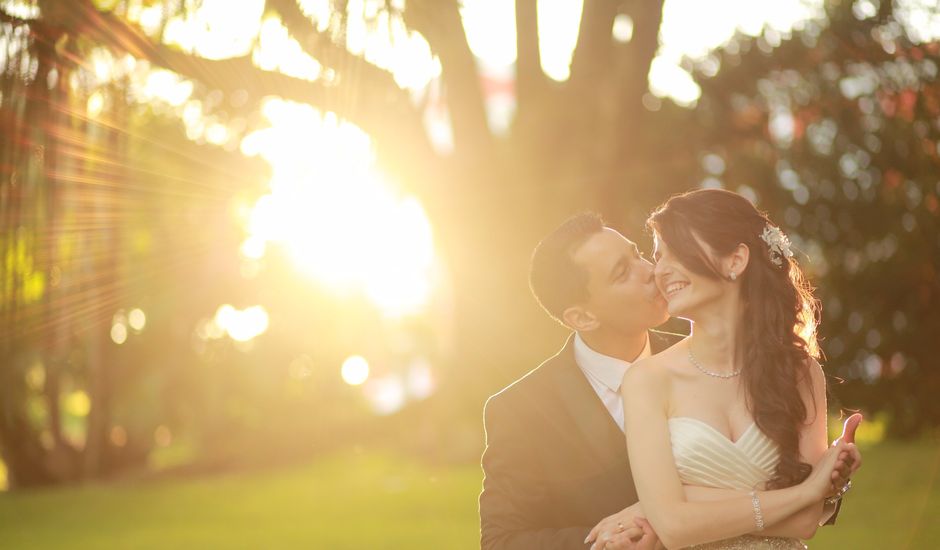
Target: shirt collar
{"x": 605, "y": 369}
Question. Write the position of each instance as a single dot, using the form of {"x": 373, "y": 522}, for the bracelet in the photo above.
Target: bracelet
{"x": 838, "y": 496}
{"x": 758, "y": 516}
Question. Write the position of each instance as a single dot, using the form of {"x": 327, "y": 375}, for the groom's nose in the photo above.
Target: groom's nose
{"x": 650, "y": 270}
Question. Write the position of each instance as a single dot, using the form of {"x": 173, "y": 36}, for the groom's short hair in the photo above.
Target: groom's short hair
{"x": 555, "y": 279}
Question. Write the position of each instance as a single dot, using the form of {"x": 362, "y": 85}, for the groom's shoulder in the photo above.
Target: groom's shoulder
{"x": 529, "y": 383}
{"x": 661, "y": 340}
{"x": 532, "y": 385}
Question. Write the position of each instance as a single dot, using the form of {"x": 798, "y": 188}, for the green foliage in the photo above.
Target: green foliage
{"x": 835, "y": 130}
{"x": 21, "y": 284}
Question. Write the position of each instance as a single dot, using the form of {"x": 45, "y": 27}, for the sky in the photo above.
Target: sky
{"x": 689, "y": 28}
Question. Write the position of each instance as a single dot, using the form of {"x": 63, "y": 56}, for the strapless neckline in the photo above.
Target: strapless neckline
{"x": 715, "y": 430}
{"x": 704, "y": 456}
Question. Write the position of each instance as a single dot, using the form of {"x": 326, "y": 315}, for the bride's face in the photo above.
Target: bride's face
{"x": 686, "y": 292}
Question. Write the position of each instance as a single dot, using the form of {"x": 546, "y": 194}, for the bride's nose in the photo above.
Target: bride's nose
{"x": 660, "y": 269}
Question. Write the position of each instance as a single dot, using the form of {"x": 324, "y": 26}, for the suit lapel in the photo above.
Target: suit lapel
{"x": 597, "y": 429}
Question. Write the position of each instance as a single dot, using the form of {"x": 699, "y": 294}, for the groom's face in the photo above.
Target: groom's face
{"x": 622, "y": 292}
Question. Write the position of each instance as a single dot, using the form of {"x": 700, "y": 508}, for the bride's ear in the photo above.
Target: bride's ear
{"x": 579, "y": 319}
{"x": 737, "y": 261}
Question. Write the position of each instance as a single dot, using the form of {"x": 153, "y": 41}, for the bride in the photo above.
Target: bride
{"x": 726, "y": 430}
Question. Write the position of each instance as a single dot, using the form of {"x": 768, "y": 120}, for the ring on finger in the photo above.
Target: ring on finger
{"x": 620, "y": 527}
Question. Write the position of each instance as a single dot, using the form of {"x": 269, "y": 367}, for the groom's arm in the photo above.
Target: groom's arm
{"x": 835, "y": 513}
{"x": 513, "y": 498}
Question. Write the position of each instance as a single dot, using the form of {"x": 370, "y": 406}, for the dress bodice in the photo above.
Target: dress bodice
{"x": 706, "y": 458}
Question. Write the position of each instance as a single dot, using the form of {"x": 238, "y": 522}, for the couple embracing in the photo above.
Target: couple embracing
{"x": 633, "y": 438}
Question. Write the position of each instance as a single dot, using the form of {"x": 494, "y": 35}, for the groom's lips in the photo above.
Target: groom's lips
{"x": 655, "y": 294}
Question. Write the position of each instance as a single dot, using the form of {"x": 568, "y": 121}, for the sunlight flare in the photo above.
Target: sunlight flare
{"x": 242, "y": 325}
{"x": 355, "y": 370}
{"x": 336, "y": 217}
{"x": 137, "y": 319}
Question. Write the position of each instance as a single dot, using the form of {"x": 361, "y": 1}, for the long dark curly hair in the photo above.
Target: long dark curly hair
{"x": 779, "y": 318}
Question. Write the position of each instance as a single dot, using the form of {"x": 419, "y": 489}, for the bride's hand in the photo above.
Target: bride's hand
{"x": 819, "y": 483}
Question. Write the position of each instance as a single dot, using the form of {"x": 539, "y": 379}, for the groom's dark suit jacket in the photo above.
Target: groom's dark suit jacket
{"x": 555, "y": 462}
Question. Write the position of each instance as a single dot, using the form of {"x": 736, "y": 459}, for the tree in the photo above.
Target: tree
{"x": 86, "y": 225}
{"x": 572, "y": 144}
{"x": 835, "y": 130}
{"x": 829, "y": 128}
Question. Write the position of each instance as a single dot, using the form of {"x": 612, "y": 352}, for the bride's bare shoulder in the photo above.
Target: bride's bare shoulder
{"x": 655, "y": 370}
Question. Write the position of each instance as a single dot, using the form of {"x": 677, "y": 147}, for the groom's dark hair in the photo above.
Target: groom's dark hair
{"x": 555, "y": 279}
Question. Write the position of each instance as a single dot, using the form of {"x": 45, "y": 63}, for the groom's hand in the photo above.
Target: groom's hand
{"x": 647, "y": 541}
{"x": 616, "y": 527}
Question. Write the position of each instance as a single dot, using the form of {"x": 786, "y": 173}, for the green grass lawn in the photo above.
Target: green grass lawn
{"x": 372, "y": 500}
{"x": 895, "y": 501}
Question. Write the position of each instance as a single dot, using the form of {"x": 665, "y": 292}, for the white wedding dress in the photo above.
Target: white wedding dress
{"x": 705, "y": 457}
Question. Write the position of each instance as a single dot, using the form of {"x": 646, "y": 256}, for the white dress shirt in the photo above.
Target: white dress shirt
{"x": 605, "y": 374}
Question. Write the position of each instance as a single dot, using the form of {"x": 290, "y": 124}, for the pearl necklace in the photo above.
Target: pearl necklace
{"x": 732, "y": 374}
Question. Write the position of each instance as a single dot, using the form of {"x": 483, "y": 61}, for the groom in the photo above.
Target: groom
{"x": 556, "y": 462}
{"x": 556, "y": 458}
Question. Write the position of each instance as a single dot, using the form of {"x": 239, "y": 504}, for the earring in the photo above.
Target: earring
{"x": 733, "y": 276}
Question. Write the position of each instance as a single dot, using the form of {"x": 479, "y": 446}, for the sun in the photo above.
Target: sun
{"x": 337, "y": 217}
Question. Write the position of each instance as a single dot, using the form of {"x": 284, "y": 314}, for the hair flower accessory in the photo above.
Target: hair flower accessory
{"x": 777, "y": 243}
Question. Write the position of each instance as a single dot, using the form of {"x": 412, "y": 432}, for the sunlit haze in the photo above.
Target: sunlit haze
{"x": 337, "y": 218}
{"x": 334, "y": 214}
{"x": 275, "y": 258}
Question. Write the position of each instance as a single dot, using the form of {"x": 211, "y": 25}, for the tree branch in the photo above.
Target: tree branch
{"x": 347, "y": 66}
{"x": 383, "y": 112}
{"x": 530, "y": 80}
{"x": 12, "y": 19}
{"x": 594, "y": 49}
{"x": 638, "y": 54}
{"x": 440, "y": 23}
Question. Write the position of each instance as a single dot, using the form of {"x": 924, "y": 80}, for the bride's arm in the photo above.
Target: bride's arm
{"x": 813, "y": 437}
{"x": 677, "y": 521}
{"x": 797, "y": 525}
{"x": 814, "y": 440}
